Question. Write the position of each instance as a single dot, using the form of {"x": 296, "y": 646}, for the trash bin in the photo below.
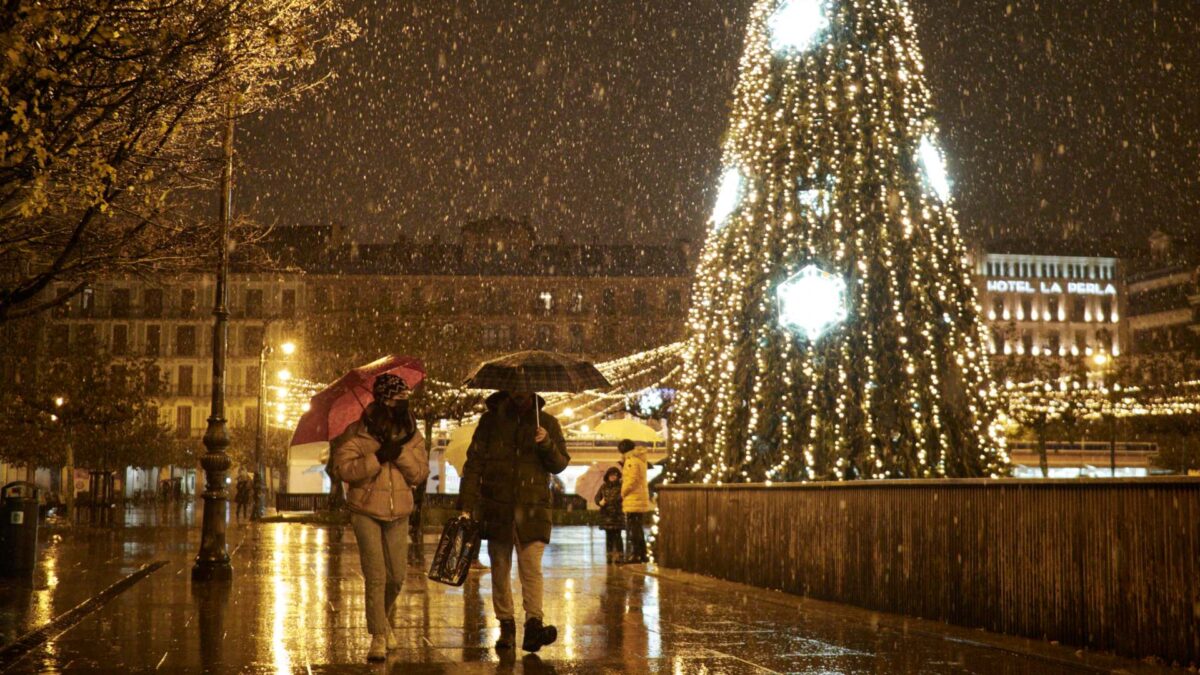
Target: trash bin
{"x": 18, "y": 529}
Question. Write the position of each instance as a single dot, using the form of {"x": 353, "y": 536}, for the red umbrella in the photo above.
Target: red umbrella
{"x": 339, "y": 404}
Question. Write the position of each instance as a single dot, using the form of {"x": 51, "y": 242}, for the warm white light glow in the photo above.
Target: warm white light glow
{"x": 288, "y": 348}
{"x": 284, "y": 375}
{"x": 728, "y": 196}
{"x": 934, "y": 167}
{"x": 811, "y": 302}
{"x": 796, "y": 25}
{"x": 58, "y": 401}
{"x": 1100, "y": 359}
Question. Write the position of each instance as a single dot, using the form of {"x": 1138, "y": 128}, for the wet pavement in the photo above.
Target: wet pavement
{"x": 296, "y": 606}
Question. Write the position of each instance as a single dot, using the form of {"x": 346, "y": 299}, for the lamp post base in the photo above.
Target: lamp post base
{"x": 212, "y": 570}
{"x": 212, "y": 562}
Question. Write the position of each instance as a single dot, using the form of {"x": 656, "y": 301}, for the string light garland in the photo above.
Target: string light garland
{"x": 837, "y": 167}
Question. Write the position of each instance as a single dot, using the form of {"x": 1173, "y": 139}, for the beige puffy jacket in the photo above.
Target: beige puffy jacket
{"x": 382, "y": 491}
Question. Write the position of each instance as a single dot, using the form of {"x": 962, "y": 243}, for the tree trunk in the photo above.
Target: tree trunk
{"x": 1043, "y": 462}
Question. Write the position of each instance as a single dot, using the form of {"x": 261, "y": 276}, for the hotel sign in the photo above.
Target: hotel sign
{"x": 1053, "y": 287}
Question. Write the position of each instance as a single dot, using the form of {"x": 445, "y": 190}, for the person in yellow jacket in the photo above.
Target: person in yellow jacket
{"x": 635, "y": 498}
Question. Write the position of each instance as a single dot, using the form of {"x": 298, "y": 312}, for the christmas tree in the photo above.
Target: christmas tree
{"x": 834, "y": 332}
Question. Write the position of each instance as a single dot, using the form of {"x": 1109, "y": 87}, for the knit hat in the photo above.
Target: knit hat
{"x": 387, "y": 386}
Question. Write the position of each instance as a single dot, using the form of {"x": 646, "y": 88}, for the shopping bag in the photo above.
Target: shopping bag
{"x": 456, "y": 550}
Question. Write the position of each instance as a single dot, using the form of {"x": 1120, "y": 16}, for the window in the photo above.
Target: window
{"x": 60, "y": 340}
{"x": 490, "y": 336}
{"x": 674, "y": 302}
{"x": 576, "y": 338}
{"x": 576, "y": 305}
{"x": 545, "y": 302}
{"x": 639, "y": 300}
{"x": 87, "y": 302}
{"x": 608, "y": 303}
{"x": 1027, "y": 309}
{"x": 1081, "y": 341}
{"x": 152, "y": 303}
{"x": 545, "y": 336}
{"x": 254, "y": 303}
{"x": 1027, "y": 341}
{"x": 1055, "y": 343}
{"x": 184, "y": 381}
{"x": 252, "y": 340}
{"x": 120, "y": 340}
{"x": 64, "y": 308}
{"x": 85, "y": 337}
{"x": 187, "y": 302}
{"x": 183, "y": 421}
{"x": 153, "y": 340}
{"x": 185, "y": 341}
{"x": 997, "y": 341}
{"x": 252, "y": 380}
{"x": 153, "y": 381}
{"x": 288, "y": 308}
{"x": 119, "y": 303}
{"x": 998, "y": 306}
{"x": 1052, "y": 307}
{"x": 1105, "y": 309}
{"x": 416, "y": 298}
{"x": 1078, "y": 308}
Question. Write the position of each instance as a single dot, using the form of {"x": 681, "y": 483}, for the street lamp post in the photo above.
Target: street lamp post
{"x": 260, "y": 436}
{"x": 212, "y": 562}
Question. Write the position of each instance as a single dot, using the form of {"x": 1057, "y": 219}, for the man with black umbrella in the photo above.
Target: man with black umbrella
{"x": 506, "y": 486}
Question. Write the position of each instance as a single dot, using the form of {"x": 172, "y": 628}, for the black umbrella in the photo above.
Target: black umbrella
{"x": 537, "y": 371}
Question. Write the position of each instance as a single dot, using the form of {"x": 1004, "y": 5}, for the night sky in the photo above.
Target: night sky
{"x": 602, "y": 120}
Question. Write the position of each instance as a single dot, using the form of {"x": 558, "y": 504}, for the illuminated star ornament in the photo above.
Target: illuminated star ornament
{"x": 934, "y": 167}
{"x": 796, "y": 25}
{"x": 811, "y": 302}
{"x": 728, "y": 196}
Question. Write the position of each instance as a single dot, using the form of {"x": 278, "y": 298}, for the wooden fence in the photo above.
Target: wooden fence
{"x": 1112, "y": 565}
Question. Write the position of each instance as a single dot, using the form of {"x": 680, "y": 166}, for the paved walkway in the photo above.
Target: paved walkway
{"x": 296, "y": 606}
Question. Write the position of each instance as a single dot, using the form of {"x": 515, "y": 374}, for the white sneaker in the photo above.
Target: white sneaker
{"x": 392, "y": 642}
{"x": 379, "y": 647}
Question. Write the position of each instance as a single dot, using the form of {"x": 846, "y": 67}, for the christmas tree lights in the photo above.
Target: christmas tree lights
{"x": 838, "y": 177}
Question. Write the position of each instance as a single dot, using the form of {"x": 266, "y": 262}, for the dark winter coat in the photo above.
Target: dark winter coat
{"x": 506, "y": 478}
{"x": 611, "y": 515}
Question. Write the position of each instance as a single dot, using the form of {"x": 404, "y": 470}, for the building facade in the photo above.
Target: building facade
{"x": 496, "y": 290}
{"x": 1053, "y": 306}
{"x": 1164, "y": 310}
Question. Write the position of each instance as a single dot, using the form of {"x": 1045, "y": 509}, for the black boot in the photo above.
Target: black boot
{"x": 537, "y": 635}
{"x": 508, "y": 634}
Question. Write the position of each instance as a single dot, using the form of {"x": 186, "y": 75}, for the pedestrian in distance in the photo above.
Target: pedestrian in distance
{"x": 382, "y": 458}
{"x": 612, "y": 515}
{"x": 242, "y": 496}
{"x": 635, "y": 498}
{"x": 506, "y": 486}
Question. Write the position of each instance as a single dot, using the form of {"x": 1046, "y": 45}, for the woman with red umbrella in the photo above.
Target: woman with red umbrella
{"x": 382, "y": 457}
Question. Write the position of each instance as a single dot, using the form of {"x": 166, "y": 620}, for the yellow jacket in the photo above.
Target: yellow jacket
{"x": 635, "y": 491}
